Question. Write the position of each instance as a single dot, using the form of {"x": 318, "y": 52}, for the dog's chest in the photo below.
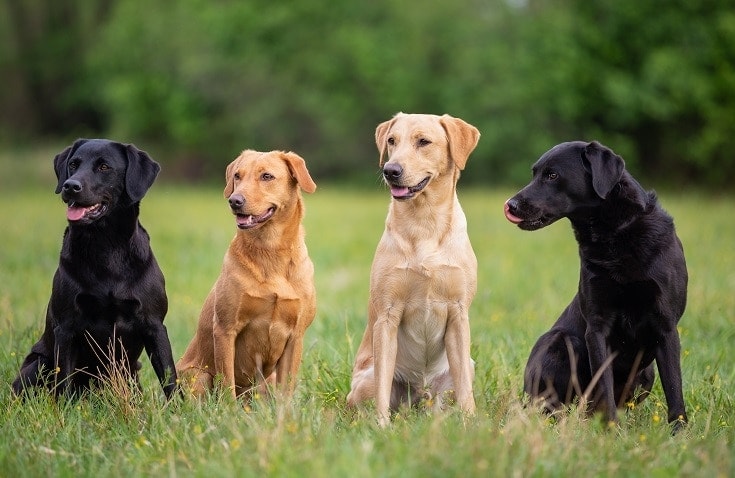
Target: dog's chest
{"x": 277, "y": 299}
{"x": 269, "y": 308}
{"x": 433, "y": 276}
{"x": 103, "y": 316}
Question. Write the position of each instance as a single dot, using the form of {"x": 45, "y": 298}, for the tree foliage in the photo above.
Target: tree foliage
{"x": 204, "y": 79}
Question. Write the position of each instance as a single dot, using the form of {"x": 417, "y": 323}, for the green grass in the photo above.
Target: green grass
{"x": 525, "y": 280}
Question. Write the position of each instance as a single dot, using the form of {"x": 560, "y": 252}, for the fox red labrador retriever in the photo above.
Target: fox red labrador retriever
{"x": 251, "y": 327}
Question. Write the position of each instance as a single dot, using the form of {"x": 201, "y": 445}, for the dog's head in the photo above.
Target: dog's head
{"x": 259, "y": 185}
{"x": 571, "y": 178}
{"x": 420, "y": 148}
{"x": 96, "y": 176}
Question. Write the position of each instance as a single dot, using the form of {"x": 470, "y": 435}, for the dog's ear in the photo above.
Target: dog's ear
{"x": 140, "y": 174}
{"x": 62, "y": 173}
{"x": 297, "y": 165}
{"x": 381, "y": 136}
{"x": 606, "y": 167}
{"x": 230, "y": 178}
{"x": 463, "y": 138}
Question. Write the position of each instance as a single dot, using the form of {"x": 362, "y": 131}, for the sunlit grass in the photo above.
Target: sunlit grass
{"x": 525, "y": 280}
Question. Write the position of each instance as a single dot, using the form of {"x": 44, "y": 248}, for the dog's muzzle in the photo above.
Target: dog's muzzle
{"x": 393, "y": 173}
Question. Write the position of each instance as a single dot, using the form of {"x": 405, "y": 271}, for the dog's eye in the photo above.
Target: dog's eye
{"x": 551, "y": 175}
{"x": 72, "y": 166}
{"x": 103, "y": 167}
{"x": 424, "y": 142}
{"x": 267, "y": 177}
{"x": 237, "y": 176}
{"x": 391, "y": 141}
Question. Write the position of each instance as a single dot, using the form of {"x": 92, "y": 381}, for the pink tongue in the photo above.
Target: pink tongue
{"x": 75, "y": 213}
{"x": 509, "y": 216}
{"x": 398, "y": 192}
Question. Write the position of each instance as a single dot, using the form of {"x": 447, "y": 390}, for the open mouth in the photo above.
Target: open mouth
{"x": 77, "y": 213}
{"x": 405, "y": 192}
{"x": 248, "y": 221}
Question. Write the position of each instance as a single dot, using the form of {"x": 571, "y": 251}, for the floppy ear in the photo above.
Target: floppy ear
{"x": 381, "y": 136}
{"x": 606, "y": 167}
{"x": 229, "y": 178}
{"x": 297, "y": 165}
{"x": 463, "y": 138}
{"x": 62, "y": 174}
{"x": 140, "y": 174}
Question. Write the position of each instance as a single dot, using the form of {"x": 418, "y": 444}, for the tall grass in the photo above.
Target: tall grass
{"x": 525, "y": 280}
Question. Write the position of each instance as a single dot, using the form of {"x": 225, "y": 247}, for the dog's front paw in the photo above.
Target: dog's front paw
{"x": 383, "y": 420}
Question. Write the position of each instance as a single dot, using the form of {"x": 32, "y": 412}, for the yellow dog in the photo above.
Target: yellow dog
{"x": 424, "y": 275}
{"x": 252, "y": 323}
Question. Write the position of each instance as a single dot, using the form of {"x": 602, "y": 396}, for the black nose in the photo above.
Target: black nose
{"x": 72, "y": 186}
{"x": 392, "y": 171}
{"x": 236, "y": 201}
{"x": 512, "y": 204}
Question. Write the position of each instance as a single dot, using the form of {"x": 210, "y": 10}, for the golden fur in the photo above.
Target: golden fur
{"x": 424, "y": 274}
{"x": 252, "y": 324}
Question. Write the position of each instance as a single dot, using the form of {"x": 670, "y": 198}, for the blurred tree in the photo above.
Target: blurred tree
{"x": 664, "y": 73}
{"x": 203, "y": 79}
{"x": 49, "y": 41}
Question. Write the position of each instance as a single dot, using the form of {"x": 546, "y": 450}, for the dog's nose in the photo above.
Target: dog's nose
{"x": 392, "y": 171}
{"x": 236, "y": 201}
{"x": 72, "y": 186}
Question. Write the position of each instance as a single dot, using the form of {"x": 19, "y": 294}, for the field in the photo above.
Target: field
{"x": 525, "y": 280}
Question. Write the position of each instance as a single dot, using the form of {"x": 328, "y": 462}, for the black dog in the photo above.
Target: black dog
{"x": 108, "y": 298}
{"x": 632, "y": 286}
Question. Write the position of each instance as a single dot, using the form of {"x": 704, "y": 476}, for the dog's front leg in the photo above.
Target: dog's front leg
{"x": 224, "y": 353}
{"x": 288, "y": 365}
{"x": 457, "y": 343}
{"x": 669, "y": 368}
{"x": 158, "y": 348}
{"x": 600, "y": 365}
{"x": 385, "y": 348}
{"x": 64, "y": 360}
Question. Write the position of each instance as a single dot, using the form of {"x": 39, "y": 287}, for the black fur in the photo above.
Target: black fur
{"x": 632, "y": 286}
{"x": 108, "y": 298}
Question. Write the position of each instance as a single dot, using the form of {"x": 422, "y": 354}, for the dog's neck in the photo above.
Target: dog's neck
{"x": 624, "y": 206}
{"x": 108, "y": 243}
{"x": 432, "y": 215}
{"x": 118, "y": 226}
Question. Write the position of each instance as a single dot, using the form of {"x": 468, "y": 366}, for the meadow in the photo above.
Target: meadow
{"x": 525, "y": 280}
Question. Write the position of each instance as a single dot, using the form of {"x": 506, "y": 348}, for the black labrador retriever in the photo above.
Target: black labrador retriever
{"x": 108, "y": 299}
{"x": 632, "y": 287}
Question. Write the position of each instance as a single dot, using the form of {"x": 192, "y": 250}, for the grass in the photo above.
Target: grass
{"x": 525, "y": 280}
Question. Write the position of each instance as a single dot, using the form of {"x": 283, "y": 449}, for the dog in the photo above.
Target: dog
{"x": 108, "y": 298}
{"x": 632, "y": 288}
{"x": 424, "y": 274}
{"x": 252, "y": 324}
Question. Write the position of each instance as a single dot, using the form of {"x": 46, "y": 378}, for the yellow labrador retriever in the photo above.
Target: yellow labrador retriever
{"x": 424, "y": 274}
{"x": 252, "y": 323}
